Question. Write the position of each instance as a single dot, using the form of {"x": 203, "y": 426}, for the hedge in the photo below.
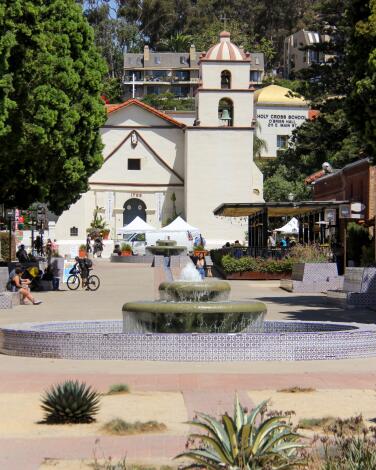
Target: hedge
{"x": 247, "y": 263}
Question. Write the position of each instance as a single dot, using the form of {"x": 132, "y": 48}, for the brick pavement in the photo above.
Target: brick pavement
{"x": 205, "y": 387}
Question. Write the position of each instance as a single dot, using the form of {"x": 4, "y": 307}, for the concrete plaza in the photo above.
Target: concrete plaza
{"x": 203, "y": 386}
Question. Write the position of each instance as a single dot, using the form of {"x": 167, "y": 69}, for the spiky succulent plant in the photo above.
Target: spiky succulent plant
{"x": 247, "y": 441}
{"x": 70, "y": 402}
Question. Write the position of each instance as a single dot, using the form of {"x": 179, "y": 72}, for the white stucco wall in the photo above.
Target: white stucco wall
{"x": 113, "y": 184}
{"x": 219, "y": 168}
{"x": 211, "y": 74}
{"x": 242, "y": 107}
{"x": 277, "y": 120}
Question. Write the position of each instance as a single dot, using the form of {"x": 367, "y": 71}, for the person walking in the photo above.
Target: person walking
{"x": 98, "y": 247}
{"x": 22, "y": 255}
{"x": 88, "y": 244}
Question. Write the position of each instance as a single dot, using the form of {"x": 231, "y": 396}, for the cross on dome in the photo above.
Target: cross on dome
{"x": 225, "y": 50}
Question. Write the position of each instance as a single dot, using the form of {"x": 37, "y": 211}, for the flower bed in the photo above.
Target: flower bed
{"x": 254, "y": 268}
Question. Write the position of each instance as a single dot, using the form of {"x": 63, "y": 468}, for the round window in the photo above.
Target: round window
{"x": 129, "y": 207}
{"x": 139, "y": 207}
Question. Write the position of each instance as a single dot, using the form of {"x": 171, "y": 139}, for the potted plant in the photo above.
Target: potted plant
{"x": 199, "y": 249}
{"x": 105, "y": 233}
{"x": 126, "y": 249}
{"x": 82, "y": 251}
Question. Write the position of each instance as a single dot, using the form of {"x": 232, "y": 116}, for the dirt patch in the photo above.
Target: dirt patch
{"x": 21, "y": 412}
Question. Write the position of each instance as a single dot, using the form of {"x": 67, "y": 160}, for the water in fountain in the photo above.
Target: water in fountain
{"x": 193, "y": 305}
{"x": 190, "y": 274}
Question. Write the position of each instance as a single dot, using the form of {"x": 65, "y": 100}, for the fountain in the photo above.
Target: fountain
{"x": 193, "y": 305}
{"x": 165, "y": 248}
{"x": 192, "y": 321}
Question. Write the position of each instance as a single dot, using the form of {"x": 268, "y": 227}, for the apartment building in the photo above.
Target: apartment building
{"x": 175, "y": 72}
{"x": 298, "y": 56}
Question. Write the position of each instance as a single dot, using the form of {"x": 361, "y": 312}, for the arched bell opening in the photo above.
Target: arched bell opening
{"x": 226, "y": 112}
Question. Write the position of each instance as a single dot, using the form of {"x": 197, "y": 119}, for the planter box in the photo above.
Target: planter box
{"x": 257, "y": 276}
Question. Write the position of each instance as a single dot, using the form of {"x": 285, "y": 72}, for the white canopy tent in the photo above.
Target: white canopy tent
{"x": 180, "y": 225}
{"x": 292, "y": 226}
{"x": 136, "y": 226}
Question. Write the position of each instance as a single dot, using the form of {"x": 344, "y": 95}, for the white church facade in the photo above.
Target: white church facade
{"x": 155, "y": 165}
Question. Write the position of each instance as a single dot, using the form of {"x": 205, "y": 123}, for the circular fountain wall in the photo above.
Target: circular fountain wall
{"x": 191, "y": 322}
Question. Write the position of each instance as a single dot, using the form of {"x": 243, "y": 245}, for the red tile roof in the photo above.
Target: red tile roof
{"x": 111, "y": 108}
{"x": 315, "y": 176}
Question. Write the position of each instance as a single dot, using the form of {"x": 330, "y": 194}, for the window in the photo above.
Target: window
{"x": 134, "y": 163}
{"x": 225, "y": 79}
{"x": 254, "y": 76}
{"x": 180, "y": 91}
{"x": 74, "y": 232}
{"x": 153, "y": 90}
{"x": 282, "y": 141}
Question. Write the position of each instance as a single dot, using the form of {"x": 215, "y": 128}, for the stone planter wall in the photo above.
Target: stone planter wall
{"x": 313, "y": 277}
{"x": 257, "y": 276}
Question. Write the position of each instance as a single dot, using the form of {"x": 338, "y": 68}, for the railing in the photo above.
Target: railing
{"x": 255, "y": 252}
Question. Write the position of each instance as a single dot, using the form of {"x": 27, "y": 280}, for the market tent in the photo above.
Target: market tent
{"x": 137, "y": 226}
{"x": 292, "y": 226}
{"x": 179, "y": 225}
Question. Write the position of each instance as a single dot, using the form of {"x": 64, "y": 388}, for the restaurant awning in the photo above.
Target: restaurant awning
{"x": 275, "y": 209}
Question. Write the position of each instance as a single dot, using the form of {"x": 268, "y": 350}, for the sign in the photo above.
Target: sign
{"x": 159, "y": 201}
{"x": 68, "y": 265}
{"x": 74, "y": 251}
{"x": 330, "y": 216}
{"x": 109, "y": 206}
{"x": 351, "y": 211}
{"x": 19, "y": 235}
{"x": 281, "y": 120}
{"x": 138, "y": 195}
{"x": 345, "y": 211}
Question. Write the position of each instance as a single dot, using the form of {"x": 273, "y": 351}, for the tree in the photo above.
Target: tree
{"x": 167, "y": 101}
{"x": 177, "y": 43}
{"x": 329, "y": 137}
{"x": 361, "y": 57}
{"x": 51, "y": 108}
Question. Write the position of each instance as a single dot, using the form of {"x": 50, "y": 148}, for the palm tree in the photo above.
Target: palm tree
{"x": 258, "y": 144}
{"x": 178, "y": 43}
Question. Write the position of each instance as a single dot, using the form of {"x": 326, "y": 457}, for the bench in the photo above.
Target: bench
{"x": 359, "y": 289}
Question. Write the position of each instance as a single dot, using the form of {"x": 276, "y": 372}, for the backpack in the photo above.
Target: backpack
{"x": 88, "y": 263}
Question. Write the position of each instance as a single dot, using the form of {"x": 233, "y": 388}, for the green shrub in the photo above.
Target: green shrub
{"x": 120, "y": 427}
{"x": 347, "y": 445}
{"x": 247, "y": 263}
{"x": 310, "y": 253}
{"x": 126, "y": 247}
{"x": 70, "y": 402}
{"x": 118, "y": 388}
{"x": 248, "y": 441}
{"x": 357, "y": 238}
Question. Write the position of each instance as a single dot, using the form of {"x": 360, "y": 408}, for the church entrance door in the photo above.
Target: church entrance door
{"x": 133, "y": 208}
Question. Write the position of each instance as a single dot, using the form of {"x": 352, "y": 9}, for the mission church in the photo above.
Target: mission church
{"x": 156, "y": 166}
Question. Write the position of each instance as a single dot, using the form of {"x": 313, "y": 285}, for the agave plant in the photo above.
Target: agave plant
{"x": 248, "y": 441}
{"x": 70, "y": 402}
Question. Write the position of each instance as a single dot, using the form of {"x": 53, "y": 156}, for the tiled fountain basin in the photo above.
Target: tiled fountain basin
{"x": 103, "y": 339}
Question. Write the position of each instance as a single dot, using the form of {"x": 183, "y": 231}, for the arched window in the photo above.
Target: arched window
{"x": 226, "y": 112}
{"x": 226, "y": 80}
{"x": 133, "y": 208}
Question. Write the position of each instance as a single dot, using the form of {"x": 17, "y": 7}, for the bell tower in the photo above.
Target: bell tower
{"x": 219, "y": 162}
{"x": 224, "y": 97}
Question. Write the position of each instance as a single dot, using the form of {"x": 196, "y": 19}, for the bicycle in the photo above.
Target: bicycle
{"x": 74, "y": 280}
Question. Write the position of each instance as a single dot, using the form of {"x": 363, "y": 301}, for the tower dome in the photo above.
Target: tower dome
{"x": 225, "y": 50}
